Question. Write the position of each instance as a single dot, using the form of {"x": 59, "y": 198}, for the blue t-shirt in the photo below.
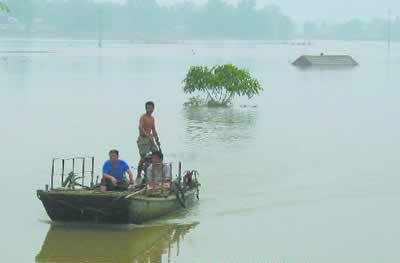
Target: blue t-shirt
{"x": 116, "y": 170}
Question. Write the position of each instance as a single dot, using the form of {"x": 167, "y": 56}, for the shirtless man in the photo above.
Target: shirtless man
{"x": 145, "y": 142}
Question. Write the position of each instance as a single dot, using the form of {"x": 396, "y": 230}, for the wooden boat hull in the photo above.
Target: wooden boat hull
{"x": 111, "y": 207}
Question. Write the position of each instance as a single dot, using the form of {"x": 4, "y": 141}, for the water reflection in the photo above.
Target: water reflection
{"x": 139, "y": 244}
{"x": 220, "y": 125}
{"x": 15, "y": 64}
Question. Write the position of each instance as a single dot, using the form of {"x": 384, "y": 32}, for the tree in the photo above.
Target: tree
{"x": 3, "y": 7}
{"x": 221, "y": 83}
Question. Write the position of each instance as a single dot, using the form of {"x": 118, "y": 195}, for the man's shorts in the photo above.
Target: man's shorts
{"x": 145, "y": 146}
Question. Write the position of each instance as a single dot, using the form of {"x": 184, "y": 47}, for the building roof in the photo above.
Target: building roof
{"x": 325, "y": 60}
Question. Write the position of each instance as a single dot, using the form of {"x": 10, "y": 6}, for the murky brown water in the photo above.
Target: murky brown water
{"x": 105, "y": 243}
{"x": 307, "y": 172}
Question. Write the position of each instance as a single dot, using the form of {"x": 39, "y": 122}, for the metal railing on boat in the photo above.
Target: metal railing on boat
{"x": 73, "y": 163}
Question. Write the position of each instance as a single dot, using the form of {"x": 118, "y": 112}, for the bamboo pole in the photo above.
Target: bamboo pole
{"x": 135, "y": 193}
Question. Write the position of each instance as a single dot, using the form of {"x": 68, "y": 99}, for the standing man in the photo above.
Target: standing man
{"x": 114, "y": 173}
{"x": 147, "y": 135}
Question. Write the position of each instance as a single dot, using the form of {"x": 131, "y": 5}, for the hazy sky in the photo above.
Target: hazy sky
{"x": 331, "y": 10}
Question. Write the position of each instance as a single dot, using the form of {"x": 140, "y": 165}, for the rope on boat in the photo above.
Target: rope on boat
{"x": 191, "y": 180}
{"x": 180, "y": 195}
{"x": 197, "y": 183}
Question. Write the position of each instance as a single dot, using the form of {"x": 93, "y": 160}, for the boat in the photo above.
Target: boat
{"x": 74, "y": 201}
{"x": 110, "y": 243}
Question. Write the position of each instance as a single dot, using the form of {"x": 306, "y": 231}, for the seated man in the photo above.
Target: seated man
{"x": 153, "y": 172}
{"x": 114, "y": 173}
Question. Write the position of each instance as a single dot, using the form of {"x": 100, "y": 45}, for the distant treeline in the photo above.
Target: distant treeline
{"x": 146, "y": 19}
{"x": 355, "y": 29}
{"x": 215, "y": 19}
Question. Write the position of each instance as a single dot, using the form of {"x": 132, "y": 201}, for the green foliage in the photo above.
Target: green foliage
{"x": 72, "y": 181}
{"x": 220, "y": 83}
{"x": 4, "y": 8}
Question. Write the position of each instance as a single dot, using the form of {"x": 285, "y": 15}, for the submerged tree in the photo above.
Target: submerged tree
{"x": 221, "y": 83}
{"x": 3, "y": 7}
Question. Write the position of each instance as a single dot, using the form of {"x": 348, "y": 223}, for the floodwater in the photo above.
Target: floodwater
{"x": 307, "y": 172}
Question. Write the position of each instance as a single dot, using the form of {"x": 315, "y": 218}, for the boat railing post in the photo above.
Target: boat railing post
{"x": 170, "y": 172}
{"x": 170, "y": 176}
{"x": 83, "y": 170}
{"x": 92, "y": 173}
{"x": 62, "y": 170}
{"x": 73, "y": 165}
{"x": 52, "y": 175}
{"x": 162, "y": 178}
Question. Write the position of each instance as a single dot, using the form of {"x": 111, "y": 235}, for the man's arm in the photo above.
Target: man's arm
{"x": 154, "y": 132}
{"x": 129, "y": 172}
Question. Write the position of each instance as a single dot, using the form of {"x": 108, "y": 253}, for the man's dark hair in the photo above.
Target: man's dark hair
{"x": 114, "y": 151}
{"x": 149, "y": 103}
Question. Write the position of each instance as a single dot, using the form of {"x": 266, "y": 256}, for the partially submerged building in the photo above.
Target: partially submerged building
{"x": 325, "y": 60}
